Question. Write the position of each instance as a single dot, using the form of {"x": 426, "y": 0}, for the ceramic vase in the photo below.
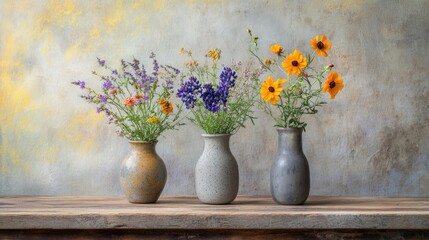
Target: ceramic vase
{"x": 143, "y": 173}
{"x": 216, "y": 172}
{"x": 290, "y": 173}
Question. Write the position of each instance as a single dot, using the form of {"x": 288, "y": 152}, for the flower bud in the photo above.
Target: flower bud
{"x": 331, "y": 65}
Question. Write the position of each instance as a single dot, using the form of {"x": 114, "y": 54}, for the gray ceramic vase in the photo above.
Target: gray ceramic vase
{"x": 290, "y": 174}
{"x": 216, "y": 172}
{"x": 143, "y": 173}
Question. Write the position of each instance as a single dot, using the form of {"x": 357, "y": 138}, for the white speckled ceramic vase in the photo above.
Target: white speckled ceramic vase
{"x": 290, "y": 174}
{"x": 143, "y": 173}
{"x": 216, "y": 172}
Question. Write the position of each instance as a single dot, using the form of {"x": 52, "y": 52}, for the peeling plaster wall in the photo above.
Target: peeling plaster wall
{"x": 372, "y": 140}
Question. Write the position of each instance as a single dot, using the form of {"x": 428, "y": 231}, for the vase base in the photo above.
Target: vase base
{"x": 217, "y": 203}
{"x": 289, "y": 203}
{"x": 142, "y": 202}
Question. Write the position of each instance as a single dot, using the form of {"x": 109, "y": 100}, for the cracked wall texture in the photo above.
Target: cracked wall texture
{"x": 371, "y": 140}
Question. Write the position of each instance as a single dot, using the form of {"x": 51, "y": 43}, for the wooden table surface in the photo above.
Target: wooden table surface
{"x": 186, "y": 212}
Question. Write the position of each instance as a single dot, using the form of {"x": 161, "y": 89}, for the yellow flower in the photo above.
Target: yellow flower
{"x": 214, "y": 54}
{"x": 333, "y": 84}
{"x": 166, "y": 106}
{"x": 139, "y": 96}
{"x": 270, "y": 90}
{"x": 154, "y": 120}
{"x": 294, "y": 63}
{"x": 321, "y": 46}
{"x": 184, "y": 51}
{"x": 277, "y": 49}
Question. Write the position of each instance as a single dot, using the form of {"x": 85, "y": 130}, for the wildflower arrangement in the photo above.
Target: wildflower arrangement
{"x": 299, "y": 90}
{"x": 220, "y": 99}
{"x": 136, "y": 101}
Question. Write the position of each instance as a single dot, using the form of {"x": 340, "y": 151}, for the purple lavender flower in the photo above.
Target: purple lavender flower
{"x": 136, "y": 65}
{"x": 82, "y": 84}
{"x": 89, "y": 98}
{"x": 169, "y": 84}
{"x": 155, "y": 67}
{"x": 108, "y": 112}
{"x": 155, "y": 64}
{"x": 103, "y": 98}
{"x": 188, "y": 92}
{"x": 99, "y": 109}
{"x": 211, "y": 98}
{"x": 115, "y": 72}
{"x": 143, "y": 81}
{"x": 142, "y": 76}
{"x": 128, "y": 74}
{"x": 143, "y": 71}
{"x": 177, "y": 71}
{"x": 101, "y": 62}
{"x": 107, "y": 85}
{"x": 132, "y": 80}
{"x": 123, "y": 64}
{"x": 227, "y": 81}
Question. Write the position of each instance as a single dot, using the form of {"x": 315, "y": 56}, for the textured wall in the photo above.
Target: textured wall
{"x": 372, "y": 140}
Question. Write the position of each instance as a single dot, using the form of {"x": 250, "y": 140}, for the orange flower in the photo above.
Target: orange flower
{"x": 129, "y": 102}
{"x": 154, "y": 120}
{"x": 333, "y": 84}
{"x": 277, "y": 49}
{"x": 269, "y": 61}
{"x": 270, "y": 90}
{"x": 294, "y": 63}
{"x": 166, "y": 106}
{"x": 191, "y": 64}
{"x": 321, "y": 46}
{"x": 214, "y": 54}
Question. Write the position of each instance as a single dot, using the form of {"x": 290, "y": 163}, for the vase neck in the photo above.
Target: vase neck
{"x": 218, "y": 141}
{"x": 143, "y": 146}
{"x": 290, "y": 139}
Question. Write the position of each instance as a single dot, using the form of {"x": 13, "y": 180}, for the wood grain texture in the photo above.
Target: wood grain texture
{"x": 184, "y": 212}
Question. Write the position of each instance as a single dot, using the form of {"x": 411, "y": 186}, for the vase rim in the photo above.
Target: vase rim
{"x": 289, "y": 129}
{"x": 215, "y": 135}
{"x": 143, "y": 142}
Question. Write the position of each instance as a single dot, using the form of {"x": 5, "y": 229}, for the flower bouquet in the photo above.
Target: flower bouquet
{"x": 136, "y": 101}
{"x": 220, "y": 102}
{"x": 297, "y": 92}
{"x": 303, "y": 91}
{"x": 139, "y": 103}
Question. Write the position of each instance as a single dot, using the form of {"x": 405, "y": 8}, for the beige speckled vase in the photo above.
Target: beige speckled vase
{"x": 143, "y": 173}
{"x": 216, "y": 172}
